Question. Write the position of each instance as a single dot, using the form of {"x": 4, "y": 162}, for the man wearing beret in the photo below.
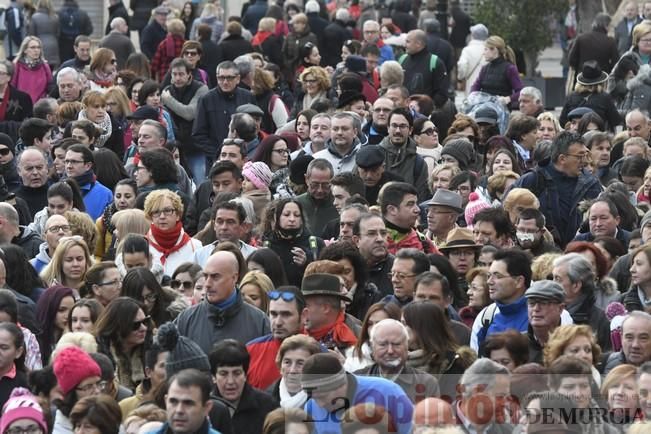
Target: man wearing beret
{"x": 545, "y": 304}
{"x": 372, "y": 170}
{"x": 323, "y": 316}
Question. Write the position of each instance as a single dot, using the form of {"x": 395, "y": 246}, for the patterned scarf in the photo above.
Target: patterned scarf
{"x": 105, "y": 127}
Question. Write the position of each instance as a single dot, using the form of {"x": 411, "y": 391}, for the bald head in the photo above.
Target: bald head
{"x": 388, "y": 326}
{"x": 221, "y": 273}
{"x": 119, "y": 24}
{"x": 416, "y": 41}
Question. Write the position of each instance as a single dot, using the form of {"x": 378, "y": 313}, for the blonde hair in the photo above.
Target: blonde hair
{"x": 319, "y": 74}
{"x": 636, "y": 141}
{"x": 391, "y": 72}
{"x": 267, "y": 24}
{"x": 454, "y": 171}
{"x": 640, "y": 31}
{"x": 83, "y": 340}
{"x": 145, "y": 413}
{"x": 520, "y": 198}
{"x": 542, "y": 266}
{"x": 23, "y": 48}
{"x": 176, "y": 27}
{"x": 592, "y": 88}
{"x": 560, "y": 338}
{"x": 264, "y": 284}
{"x": 497, "y": 181}
{"x": 81, "y": 224}
{"x": 53, "y": 272}
{"x": 121, "y": 99}
{"x": 156, "y": 198}
{"x": 616, "y": 376}
{"x": 299, "y": 18}
{"x": 550, "y": 117}
{"x": 639, "y": 427}
{"x": 130, "y": 221}
{"x": 262, "y": 81}
{"x": 93, "y": 98}
{"x": 504, "y": 50}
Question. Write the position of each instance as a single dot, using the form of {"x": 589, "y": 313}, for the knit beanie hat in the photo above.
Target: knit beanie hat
{"x": 8, "y": 142}
{"x": 475, "y": 204}
{"x": 298, "y": 168}
{"x": 22, "y": 404}
{"x": 258, "y": 173}
{"x": 72, "y": 366}
{"x": 183, "y": 353}
{"x": 645, "y": 220}
{"x": 461, "y": 149}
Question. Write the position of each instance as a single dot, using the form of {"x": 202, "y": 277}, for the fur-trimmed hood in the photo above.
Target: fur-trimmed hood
{"x": 643, "y": 78}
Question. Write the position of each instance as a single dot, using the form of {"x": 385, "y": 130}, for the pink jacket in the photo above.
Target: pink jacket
{"x": 35, "y": 82}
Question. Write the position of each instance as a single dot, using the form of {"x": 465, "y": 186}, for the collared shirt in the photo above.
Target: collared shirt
{"x": 468, "y": 425}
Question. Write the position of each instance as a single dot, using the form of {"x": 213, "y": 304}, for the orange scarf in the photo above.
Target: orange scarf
{"x": 339, "y": 331}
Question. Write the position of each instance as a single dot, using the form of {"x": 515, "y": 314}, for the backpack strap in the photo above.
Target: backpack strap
{"x": 433, "y": 60}
{"x": 402, "y": 58}
{"x": 419, "y": 165}
{"x": 485, "y": 320}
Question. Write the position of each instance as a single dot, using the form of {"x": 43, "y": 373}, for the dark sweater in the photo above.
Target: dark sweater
{"x": 36, "y": 198}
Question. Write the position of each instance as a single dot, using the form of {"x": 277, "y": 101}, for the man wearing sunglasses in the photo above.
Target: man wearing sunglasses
{"x": 286, "y": 304}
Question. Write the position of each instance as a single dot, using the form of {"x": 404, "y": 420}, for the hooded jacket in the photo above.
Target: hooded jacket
{"x": 340, "y": 163}
{"x": 403, "y": 160}
{"x": 29, "y": 241}
{"x": 42, "y": 258}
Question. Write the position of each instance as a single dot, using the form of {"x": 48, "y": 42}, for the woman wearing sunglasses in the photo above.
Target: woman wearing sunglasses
{"x": 184, "y": 279}
{"x": 124, "y": 334}
{"x": 103, "y": 70}
{"x": 161, "y": 304}
{"x": 426, "y": 136}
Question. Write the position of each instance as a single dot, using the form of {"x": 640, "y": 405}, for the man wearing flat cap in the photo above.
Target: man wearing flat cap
{"x": 545, "y": 304}
{"x": 443, "y": 210}
{"x": 332, "y": 391}
{"x": 323, "y": 316}
{"x": 372, "y": 169}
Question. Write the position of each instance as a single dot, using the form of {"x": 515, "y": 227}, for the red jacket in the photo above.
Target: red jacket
{"x": 263, "y": 371}
{"x": 168, "y": 50}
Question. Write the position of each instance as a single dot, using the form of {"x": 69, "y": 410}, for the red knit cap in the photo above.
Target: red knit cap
{"x": 72, "y": 366}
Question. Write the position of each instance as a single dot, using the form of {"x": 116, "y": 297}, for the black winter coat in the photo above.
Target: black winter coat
{"x": 600, "y": 103}
{"x": 234, "y": 46}
{"x": 115, "y": 11}
{"x": 594, "y": 45}
{"x": 19, "y": 106}
{"x": 141, "y": 13}
{"x": 589, "y": 314}
{"x": 335, "y": 35}
{"x": 152, "y": 35}
{"x": 283, "y": 247}
{"x": 252, "y": 409}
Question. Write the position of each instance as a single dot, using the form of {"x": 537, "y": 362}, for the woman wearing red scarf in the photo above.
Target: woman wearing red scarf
{"x": 169, "y": 49}
{"x": 168, "y": 241}
{"x": 267, "y": 42}
{"x": 103, "y": 70}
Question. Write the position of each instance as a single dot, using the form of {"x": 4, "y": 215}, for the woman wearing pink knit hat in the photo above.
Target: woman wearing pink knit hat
{"x": 257, "y": 178}
{"x": 78, "y": 376}
{"x": 22, "y": 412}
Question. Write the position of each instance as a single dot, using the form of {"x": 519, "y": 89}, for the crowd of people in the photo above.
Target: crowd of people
{"x": 281, "y": 223}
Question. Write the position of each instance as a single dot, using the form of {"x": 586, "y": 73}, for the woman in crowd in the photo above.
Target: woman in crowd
{"x": 192, "y": 51}
{"x": 83, "y": 315}
{"x": 103, "y": 282}
{"x": 499, "y": 76}
{"x": 298, "y": 37}
{"x": 267, "y": 42}
{"x": 273, "y": 150}
{"x": 574, "y": 340}
{"x": 281, "y": 420}
{"x": 33, "y": 74}
{"x": 21, "y": 275}
{"x": 268, "y": 262}
{"x": 20, "y": 409}
{"x": 548, "y": 126}
{"x": 363, "y": 293}
{"x": 478, "y": 299}
{"x": 69, "y": 264}
{"x": 590, "y": 121}
{"x": 210, "y": 15}
{"x": 292, "y": 354}
{"x": 78, "y": 377}
{"x": 315, "y": 85}
{"x": 303, "y": 124}
{"x": 52, "y": 316}
{"x": 12, "y": 362}
{"x": 149, "y": 94}
{"x": 169, "y": 242}
{"x": 95, "y": 111}
{"x": 275, "y": 112}
{"x": 133, "y": 92}
{"x": 124, "y": 334}
{"x": 291, "y": 240}
{"x": 188, "y": 15}
{"x": 255, "y": 287}
{"x": 426, "y": 136}
{"x": 510, "y": 349}
{"x": 442, "y": 175}
{"x": 611, "y": 248}
{"x": 631, "y": 61}
{"x": 523, "y": 131}
{"x": 185, "y": 278}
{"x": 619, "y": 390}
{"x": 103, "y": 70}
{"x": 169, "y": 49}
{"x": 117, "y": 104}
{"x": 359, "y": 356}
{"x": 161, "y": 304}
{"x": 98, "y": 414}
{"x": 124, "y": 197}
{"x": 434, "y": 350}
{"x": 640, "y": 279}
{"x": 45, "y": 25}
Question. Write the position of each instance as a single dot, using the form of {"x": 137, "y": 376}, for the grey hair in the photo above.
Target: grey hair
{"x": 160, "y": 129}
{"x": 30, "y": 148}
{"x": 9, "y": 212}
{"x": 636, "y": 314}
{"x": 68, "y": 70}
{"x": 247, "y": 204}
{"x": 387, "y": 321}
{"x": 532, "y": 92}
{"x": 577, "y": 267}
{"x": 321, "y": 164}
{"x": 245, "y": 64}
{"x": 358, "y": 206}
{"x": 483, "y": 372}
{"x": 342, "y": 14}
{"x": 115, "y": 22}
{"x": 601, "y": 22}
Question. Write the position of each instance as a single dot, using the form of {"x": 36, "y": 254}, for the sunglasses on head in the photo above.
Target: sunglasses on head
{"x": 137, "y": 324}
{"x": 286, "y": 296}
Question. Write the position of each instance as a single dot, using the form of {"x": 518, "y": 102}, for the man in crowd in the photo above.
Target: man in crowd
{"x": 81, "y": 60}
{"x": 56, "y": 227}
{"x": 234, "y": 150}
{"x": 644, "y": 387}
{"x": 401, "y": 156}
{"x": 317, "y": 201}
{"x": 188, "y": 403}
{"x": 638, "y": 125}
{"x": 462, "y": 252}
{"x": 425, "y": 73}
{"x": 545, "y": 303}
{"x": 222, "y": 314}
{"x": 530, "y": 102}
{"x": 33, "y": 170}
{"x": 371, "y": 31}
{"x": 244, "y": 127}
{"x": 377, "y": 129}
{"x": 407, "y": 266}
{"x": 636, "y": 342}
{"x": 389, "y": 348}
{"x": 624, "y": 30}
{"x": 604, "y": 220}
{"x": 370, "y": 235}
{"x": 214, "y": 111}
{"x": 343, "y": 186}
{"x": 229, "y": 224}
{"x": 343, "y": 144}
{"x": 530, "y": 233}
{"x": 118, "y": 40}
{"x": 286, "y": 305}
{"x": 371, "y": 166}
{"x": 79, "y": 165}
{"x": 319, "y": 136}
{"x": 492, "y": 226}
{"x": 443, "y": 210}
{"x": 154, "y": 32}
{"x": 399, "y": 206}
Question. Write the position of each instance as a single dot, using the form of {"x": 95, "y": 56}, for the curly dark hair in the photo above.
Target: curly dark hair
{"x": 160, "y": 164}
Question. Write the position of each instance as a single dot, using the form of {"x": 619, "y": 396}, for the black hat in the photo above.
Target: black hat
{"x": 298, "y": 168}
{"x": 370, "y": 156}
{"x": 348, "y": 97}
{"x": 322, "y": 284}
{"x": 183, "y": 352}
{"x": 578, "y": 112}
{"x": 144, "y": 112}
{"x": 355, "y": 63}
{"x": 486, "y": 115}
{"x": 5, "y": 195}
{"x": 8, "y": 142}
{"x": 591, "y": 74}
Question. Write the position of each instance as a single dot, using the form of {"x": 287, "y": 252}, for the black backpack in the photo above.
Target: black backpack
{"x": 69, "y": 22}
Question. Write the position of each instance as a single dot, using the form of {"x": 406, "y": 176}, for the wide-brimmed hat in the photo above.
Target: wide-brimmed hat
{"x": 323, "y": 284}
{"x": 460, "y": 238}
{"x": 443, "y": 197}
{"x": 591, "y": 74}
